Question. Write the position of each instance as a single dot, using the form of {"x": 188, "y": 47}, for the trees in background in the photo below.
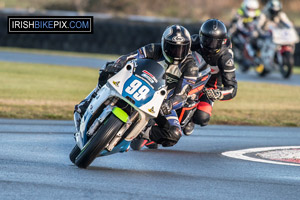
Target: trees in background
{"x": 189, "y": 9}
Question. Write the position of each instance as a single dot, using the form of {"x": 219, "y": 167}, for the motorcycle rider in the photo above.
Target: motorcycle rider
{"x": 246, "y": 14}
{"x": 173, "y": 53}
{"x": 244, "y": 23}
{"x": 214, "y": 49}
{"x": 272, "y": 15}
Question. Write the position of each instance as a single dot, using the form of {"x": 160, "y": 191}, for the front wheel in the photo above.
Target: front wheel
{"x": 98, "y": 141}
{"x": 287, "y": 67}
{"x": 74, "y": 153}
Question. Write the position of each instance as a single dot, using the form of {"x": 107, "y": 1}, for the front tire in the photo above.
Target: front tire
{"x": 287, "y": 67}
{"x": 74, "y": 153}
{"x": 98, "y": 141}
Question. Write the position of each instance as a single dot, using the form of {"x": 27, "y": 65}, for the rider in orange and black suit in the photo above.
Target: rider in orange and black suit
{"x": 214, "y": 48}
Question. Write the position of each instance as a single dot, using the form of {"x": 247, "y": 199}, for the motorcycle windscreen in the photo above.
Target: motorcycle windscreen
{"x": 285, "y": 36}
{"x": 151, "y": 72}
{"x": 148, "y": 78}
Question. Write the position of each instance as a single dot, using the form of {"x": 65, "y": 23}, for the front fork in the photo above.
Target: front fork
{"x": 77, "y": 118}
{"x": 279, "y": 57}
{"x": 122, "y": 131}
{"x": 101, "y": 97}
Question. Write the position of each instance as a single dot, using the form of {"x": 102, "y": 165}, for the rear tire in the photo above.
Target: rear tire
{"x": 287, "y": 67}
{"x": 74, "y": 153}
{"x": 98, "y": 141}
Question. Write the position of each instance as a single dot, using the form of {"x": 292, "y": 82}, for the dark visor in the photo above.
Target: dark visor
{"x": 176, "y": 51}
{"x": 211, "y": 43}
{"x": 250, "y": 9}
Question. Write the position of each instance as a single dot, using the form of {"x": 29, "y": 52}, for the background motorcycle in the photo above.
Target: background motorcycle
{"x": 244, "y": 54}
{"x": 277, "y": 52}
{"x": 120, "y": 111}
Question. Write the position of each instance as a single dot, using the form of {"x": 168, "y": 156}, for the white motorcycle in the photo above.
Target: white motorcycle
{"x": 120, "y": 111}
{"x": 277, "y": 52}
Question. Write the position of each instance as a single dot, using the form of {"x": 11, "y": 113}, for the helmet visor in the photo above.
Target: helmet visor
{"x": 176, "y": 51}
{"x": 251, "y": 9}
{"x": 274, "y": 12}
{"x": 211, "y": 43}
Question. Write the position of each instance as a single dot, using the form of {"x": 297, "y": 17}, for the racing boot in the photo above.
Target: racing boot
{"x": 143, "y": 140}
{"x": 189, "y": 128}
{"x": 80, "y": 108}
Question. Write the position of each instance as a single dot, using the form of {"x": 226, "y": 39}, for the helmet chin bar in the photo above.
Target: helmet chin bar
{"x": 168, "y": 58}
{"x": 208, "y": 50}
{"x": 176, "y": 62}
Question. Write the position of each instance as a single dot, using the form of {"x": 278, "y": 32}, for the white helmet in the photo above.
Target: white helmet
{"x": 250, "y": 7}
{"x": 274, "y": 7}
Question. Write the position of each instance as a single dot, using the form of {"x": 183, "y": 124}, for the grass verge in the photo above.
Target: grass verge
{"x": 43, "y": 91}
{"x": 39, "y": 91}
{"x": 296, "y": 70}
{"x": 260, "y": 104}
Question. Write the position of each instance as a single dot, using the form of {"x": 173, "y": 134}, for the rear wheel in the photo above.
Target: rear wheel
{"x": 287, "y": 67}
{"x": 98, "y": 141}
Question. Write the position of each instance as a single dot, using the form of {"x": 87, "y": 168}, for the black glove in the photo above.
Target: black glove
{"x": 166, "y": 107}
{"x": 213, "y": 94}
{"x": 111, "y": 67}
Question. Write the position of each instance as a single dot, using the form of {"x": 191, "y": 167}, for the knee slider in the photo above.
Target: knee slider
{"x": 82, "y": 107}
{"x": 201, "y": 118}
{"x": 174, "y": 134}
{"x": 77, "y": 109}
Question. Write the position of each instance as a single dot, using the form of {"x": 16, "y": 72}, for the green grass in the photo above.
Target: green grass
{"x": 296, "y": 70}
{"x": 50, "y": 92}
{"x": 260, "y": 104}
{"x": 43, "y": 91}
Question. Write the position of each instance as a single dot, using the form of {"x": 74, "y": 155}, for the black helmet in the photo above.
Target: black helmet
{"x": 213, "y": 34}
{"x": 274, "y": 7}
{"x": 175, "y": 43}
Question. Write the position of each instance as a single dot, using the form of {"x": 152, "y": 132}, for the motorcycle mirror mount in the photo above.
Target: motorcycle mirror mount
{"x": 128, "y": 67}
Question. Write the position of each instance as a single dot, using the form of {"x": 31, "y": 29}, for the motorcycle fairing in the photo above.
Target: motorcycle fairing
{"x": 122, "y": 147}
{"x": 115, "y": 87}
{"x": 146, "y": 96}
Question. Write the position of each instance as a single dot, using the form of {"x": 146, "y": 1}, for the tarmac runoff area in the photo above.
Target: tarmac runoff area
{"x": 287, "y": 155}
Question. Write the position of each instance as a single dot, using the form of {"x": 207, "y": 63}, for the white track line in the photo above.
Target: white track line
{"x": 239, "y": 154}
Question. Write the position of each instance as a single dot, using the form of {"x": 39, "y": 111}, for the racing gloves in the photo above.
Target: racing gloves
{"x": 166, "y": 107}
{"x": 213, "y": 94}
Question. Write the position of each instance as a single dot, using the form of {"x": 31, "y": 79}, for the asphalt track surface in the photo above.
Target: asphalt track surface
{"x": 34, "y": 164}
{"x": 97, "y": 63}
